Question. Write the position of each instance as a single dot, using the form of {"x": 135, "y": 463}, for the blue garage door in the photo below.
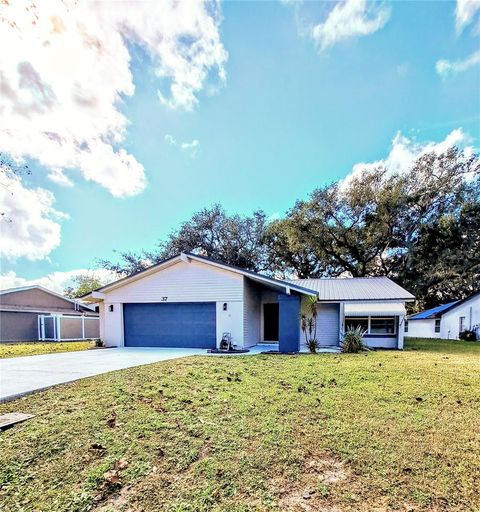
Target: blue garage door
{"x": 181, "y": 324}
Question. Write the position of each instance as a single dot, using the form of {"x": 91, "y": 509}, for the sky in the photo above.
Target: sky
{"x": 131, "y": 117}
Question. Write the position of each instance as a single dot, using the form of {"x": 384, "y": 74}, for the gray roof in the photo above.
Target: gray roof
{"x": 355, "y": 288}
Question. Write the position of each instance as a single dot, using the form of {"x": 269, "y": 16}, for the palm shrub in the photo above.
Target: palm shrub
{"x": 353, "y": 340}
{"x": 309, "y": 325}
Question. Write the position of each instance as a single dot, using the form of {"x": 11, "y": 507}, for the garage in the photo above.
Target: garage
{"x": 181, "y": 324}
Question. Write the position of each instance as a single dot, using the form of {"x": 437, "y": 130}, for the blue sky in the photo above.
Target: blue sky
{"x": 289, "y": 117}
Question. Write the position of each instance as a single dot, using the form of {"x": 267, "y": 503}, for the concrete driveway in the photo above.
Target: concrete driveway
{"x": 22, "y": 375}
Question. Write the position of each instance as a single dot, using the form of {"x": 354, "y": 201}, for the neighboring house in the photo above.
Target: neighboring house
{"x": 190, "y": 301}
{"x": 465, "y": 314}
{"x": 33, "y": 313}
{"x": 446, "y": 321}
{"x": 426, "y": 324}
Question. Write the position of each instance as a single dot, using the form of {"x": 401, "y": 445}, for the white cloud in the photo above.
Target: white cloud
{"x": 29, "y": 224}
{"x": 58, "y": 176}
{"x": 445, "y": 67}
{"x": 55, "y": 281}
{"x": 350, "y": 18}
{"x": 188, "y": 147}
{"x": 170, "y": 140}
{"x": 67, "y": 69}
{"x": 465, "y": 12}
{"x": 404, "y": 151}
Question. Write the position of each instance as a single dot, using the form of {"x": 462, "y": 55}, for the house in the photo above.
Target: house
{"x": 426, "y": 324}
{"x": 33, "y": 313}
{"x": 446, "y": 321}
{"x": 191, "y": 301}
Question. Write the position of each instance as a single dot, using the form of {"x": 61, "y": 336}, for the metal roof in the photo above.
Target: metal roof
{"x": 433, "y": 312}
{"x": 355, "y": 288}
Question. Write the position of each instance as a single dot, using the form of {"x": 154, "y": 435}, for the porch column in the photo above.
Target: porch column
{"x": 289, "y": 323}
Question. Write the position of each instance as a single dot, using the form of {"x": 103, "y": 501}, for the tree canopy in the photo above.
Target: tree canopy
{"x": 83, "y": 284}
{"x": 420, "y": 226}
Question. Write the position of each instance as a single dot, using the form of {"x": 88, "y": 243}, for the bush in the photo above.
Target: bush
{"x": 312, "y": 345}
{"x": 353, "y": 341}
{"x": 98, "y": 343}
{"x": 468, "y": 335}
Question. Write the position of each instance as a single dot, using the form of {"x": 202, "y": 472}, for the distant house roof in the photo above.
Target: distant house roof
{"x": 460, "y": 302}
{"x": 355, "y": 288}
{"x": 433, "y": 312}
{"x": 76, "y": 302}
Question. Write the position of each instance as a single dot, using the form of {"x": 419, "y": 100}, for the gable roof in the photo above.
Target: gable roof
{"x": 46, "y": 290}
{"x": 355, "y": 288}
{"x": 460, "y": 302}
{"x": 365, "y": 288}
{"x": 433, "y": 312}
{"x": 184, "y": 256}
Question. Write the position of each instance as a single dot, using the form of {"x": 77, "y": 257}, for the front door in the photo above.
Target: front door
{"x": 270, "y": 322}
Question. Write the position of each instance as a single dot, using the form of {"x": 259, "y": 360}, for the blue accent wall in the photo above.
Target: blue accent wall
{"x": 181, "y": 324}
{"x": 289, "y": 323}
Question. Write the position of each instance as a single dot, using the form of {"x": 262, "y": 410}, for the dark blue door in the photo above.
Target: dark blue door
{"x": 180, "y": 324}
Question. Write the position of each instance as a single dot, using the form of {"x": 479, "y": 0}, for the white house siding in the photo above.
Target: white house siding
{"x": 251, "y": 313}
{"x": 382, "y": 342}
{"x": 101, "y": 312}
{"x": 112, "y": 324}
{"x": 422, "y": 329}
{"x": 328, "y": 324}
{"x": 230, "y": 321}
{"x": 470, "y": 309}
{"x": 182, "y": 282}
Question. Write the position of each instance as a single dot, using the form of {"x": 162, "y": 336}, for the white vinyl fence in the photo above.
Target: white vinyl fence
{"x": 68, "y": 327}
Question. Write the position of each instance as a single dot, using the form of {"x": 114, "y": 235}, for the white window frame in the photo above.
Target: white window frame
{"x": 405, "y": 326}
{"x": 369, "y": 320}
{"x": 461, "y": 323}
{"x": 439, "y": 320}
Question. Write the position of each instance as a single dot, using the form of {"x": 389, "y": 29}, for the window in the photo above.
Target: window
{"x": 371, "y": 325}
{"x": 353, "y": 323}
{"x": 461, "y": 323}
{"x": 406, "y": 325}
{"x": 382, "y": 325}
{"x": 437, "y": 324}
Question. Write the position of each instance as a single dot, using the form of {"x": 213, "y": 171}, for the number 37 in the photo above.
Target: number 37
{"x": 164, "y": 299}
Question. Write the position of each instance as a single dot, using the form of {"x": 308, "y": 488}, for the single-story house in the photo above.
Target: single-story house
{"x": 446, "y": 321}
{"x": 191, "y": 301}
{"x": 32, "y": 313}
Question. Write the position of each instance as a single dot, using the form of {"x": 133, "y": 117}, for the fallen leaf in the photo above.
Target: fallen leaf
{"x": 112, "y": 477}
{"x": 121, "y": 464}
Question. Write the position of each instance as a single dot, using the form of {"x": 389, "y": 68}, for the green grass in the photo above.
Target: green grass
{"x": 34, "y": 348}
{"x": 377, "y": 431}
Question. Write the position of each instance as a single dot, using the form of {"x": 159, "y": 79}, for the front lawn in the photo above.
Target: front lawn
{"x": 37, "y": 347}
{"x": 377, "y": 431}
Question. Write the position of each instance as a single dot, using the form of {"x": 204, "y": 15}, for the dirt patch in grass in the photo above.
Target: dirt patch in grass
{"x": 312, "y": 489}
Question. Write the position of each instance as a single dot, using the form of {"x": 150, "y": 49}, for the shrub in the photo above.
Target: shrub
{"x": 309, "y": 325}
{"x": 353, "y": 341}
{"x": 312, "y": 345}
{"x": 98, "y": 343}
{"x": 468, "y": 335}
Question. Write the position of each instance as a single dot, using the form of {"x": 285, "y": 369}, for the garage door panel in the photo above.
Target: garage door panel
{"x": 170, "y": 325}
